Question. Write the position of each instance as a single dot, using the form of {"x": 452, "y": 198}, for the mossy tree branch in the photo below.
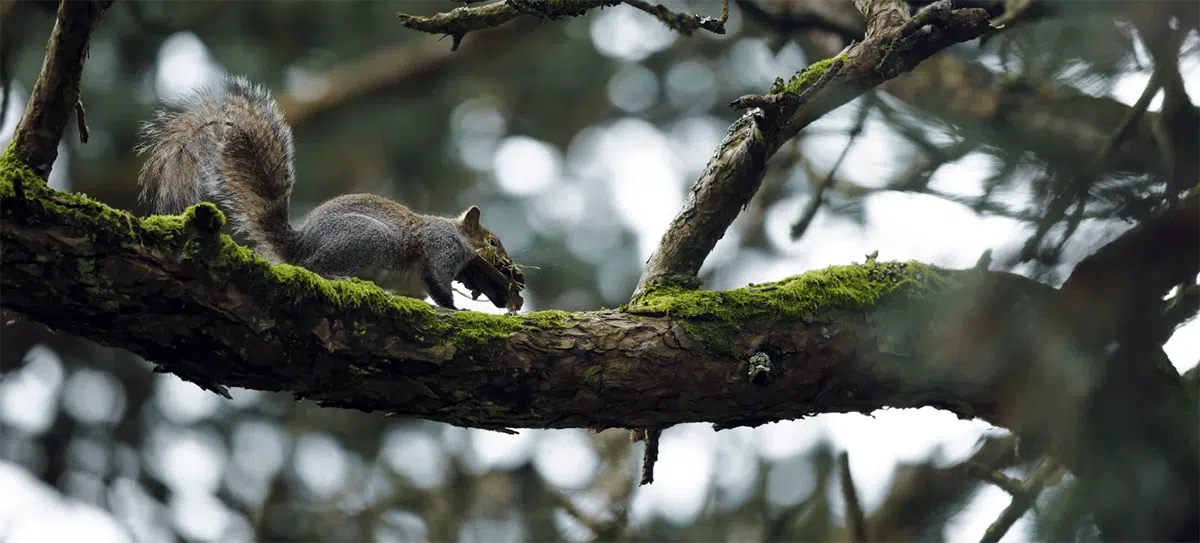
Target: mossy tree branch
{"x": 178, "y": 292}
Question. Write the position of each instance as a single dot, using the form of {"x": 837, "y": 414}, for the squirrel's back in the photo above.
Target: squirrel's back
{"x": 234, "y": 149}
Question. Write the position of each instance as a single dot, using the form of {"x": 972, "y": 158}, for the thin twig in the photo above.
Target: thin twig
{"x": 81, "y": 121}
{"x": 684, "y": 23}
{"x": 1021, "y": 501}
{"x": 1075, "y": 189}
{"x": 818, "y": 197}
{"x": 1008, "y": 484}
{"x": 651, "y": 455}
{"x": 854, "y": 511}
{"x": 1131, "y": 117}
{"x": 587, "y": 520}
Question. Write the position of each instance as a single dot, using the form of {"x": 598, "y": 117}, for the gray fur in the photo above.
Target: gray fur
{"x": 236, "y": 150}
{"x": 406, "y": 253}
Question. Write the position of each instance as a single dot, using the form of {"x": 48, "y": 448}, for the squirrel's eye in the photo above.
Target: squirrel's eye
{"x": 491, "y": 241}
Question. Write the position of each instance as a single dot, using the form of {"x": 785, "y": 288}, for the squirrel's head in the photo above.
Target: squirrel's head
{"x": 483, "y": 240}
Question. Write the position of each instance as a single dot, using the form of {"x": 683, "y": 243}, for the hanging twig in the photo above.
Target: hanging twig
{"x": 818, "y": 197}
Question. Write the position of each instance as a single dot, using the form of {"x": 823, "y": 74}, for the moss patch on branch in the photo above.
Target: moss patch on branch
{"x": 716, "y": 317}
{"x": 802, "y": 79}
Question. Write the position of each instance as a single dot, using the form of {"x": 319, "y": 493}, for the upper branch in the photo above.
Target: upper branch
{"x": 459, "y": 21}
{"x": 56, "y": 92}
{"x": 736, "y": 168}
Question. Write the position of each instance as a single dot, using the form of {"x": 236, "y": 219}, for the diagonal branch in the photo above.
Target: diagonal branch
{"x": 736, "y": 168}
{"x": 56, "y": 91}
{"x": 1021, "y": 501}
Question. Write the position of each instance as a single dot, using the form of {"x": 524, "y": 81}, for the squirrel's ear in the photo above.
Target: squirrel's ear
{"x": 470, "y": 219}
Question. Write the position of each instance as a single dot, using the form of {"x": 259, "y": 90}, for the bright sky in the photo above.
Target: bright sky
{"x": 641, "y": 172}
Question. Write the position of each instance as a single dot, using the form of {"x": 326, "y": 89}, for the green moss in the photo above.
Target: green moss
{"x": 716, "y": 318}
{"x": 475, "y": 328}
{"x": 802, "y": 79}
{"x": 548, "y": 319}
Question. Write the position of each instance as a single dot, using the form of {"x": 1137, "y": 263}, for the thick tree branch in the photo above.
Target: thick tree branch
{"x": 56, "y": 91}
{"x": 735, "y": 171}
{"x": 177, "y": 292}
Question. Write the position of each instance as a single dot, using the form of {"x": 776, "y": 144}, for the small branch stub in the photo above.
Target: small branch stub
{"x": 761, "y": 369}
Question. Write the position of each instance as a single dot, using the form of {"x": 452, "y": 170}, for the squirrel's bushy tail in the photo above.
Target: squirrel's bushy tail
{"x": 234, "y": 150}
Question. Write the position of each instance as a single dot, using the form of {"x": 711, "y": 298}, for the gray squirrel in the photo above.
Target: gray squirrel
{"x": 236, "y": 151}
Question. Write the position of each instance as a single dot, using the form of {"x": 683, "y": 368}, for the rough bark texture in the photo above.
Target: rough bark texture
{"x": 882, "y": 15}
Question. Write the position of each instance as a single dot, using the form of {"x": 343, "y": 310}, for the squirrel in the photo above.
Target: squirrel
{"x": 236, "y": 151}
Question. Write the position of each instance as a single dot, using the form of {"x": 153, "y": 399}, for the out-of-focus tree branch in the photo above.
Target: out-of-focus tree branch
{"x": 1059, "y": 125}
{"x": 395, "y": 66}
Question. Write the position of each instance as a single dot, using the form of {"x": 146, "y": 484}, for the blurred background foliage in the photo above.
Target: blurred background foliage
{"x": 579, "y": 139}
